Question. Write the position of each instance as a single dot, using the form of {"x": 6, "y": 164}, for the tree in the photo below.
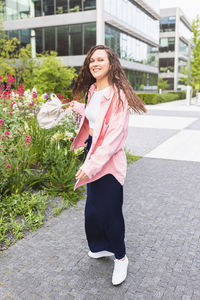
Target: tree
{"x": 52, "y": 76}
{"x": 162, "y": 84}
{"x": 195, "y": 61}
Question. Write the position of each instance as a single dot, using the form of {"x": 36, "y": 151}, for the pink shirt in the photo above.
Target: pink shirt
{"x": 106, "y": 155}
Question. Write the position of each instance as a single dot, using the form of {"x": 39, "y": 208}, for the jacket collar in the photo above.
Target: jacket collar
{"x": 108, "y": 93}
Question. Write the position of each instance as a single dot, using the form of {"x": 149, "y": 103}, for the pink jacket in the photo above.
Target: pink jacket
{"x": 106, "y": 155}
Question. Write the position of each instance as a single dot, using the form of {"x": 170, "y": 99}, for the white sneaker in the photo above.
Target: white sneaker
{"x": 120, "y": 271}
{"x": 100, "y": 254}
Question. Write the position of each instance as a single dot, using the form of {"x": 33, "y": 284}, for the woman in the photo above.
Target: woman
{"x": 105, "y": 117}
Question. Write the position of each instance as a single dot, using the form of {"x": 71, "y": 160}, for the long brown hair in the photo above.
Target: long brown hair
{"x": 116, "y": 76}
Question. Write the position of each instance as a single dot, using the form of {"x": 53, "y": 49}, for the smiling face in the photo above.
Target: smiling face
{"x": 99, "y": 65}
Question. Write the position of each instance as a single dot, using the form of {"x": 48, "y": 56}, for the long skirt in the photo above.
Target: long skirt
{"x": 104, "y": 222}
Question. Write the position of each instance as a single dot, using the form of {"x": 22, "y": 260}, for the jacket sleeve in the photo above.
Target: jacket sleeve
{"x": 79, "y": 108}
{"x": 111, "y": 142}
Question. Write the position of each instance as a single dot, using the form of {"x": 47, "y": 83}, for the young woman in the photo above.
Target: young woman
{"x": 103, "y": 130}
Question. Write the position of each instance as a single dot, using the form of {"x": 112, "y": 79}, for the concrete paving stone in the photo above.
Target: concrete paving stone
{"x": 141, "y": 141}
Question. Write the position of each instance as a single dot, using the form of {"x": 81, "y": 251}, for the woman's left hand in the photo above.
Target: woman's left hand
{"x": 81, "y": 175}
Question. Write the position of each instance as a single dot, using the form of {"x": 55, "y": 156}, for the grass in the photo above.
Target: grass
{"x": 130, "y": 157}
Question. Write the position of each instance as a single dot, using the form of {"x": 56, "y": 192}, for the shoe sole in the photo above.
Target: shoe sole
{"x": 96, "y": 257}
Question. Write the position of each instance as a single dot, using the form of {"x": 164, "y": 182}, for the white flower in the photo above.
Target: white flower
{"x": 68, "y": 135}
{"x": 79, "y": 151}
{"x": 27, "y": 93}
{"x": 5, "y": 109}
{"x": 34, "y": 90}
{"x": 14, "y": 106}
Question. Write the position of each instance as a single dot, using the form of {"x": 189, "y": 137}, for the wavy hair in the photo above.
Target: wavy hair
{"x": 116, "y": 77}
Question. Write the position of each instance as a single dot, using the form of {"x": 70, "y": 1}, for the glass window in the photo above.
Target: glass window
{"x": 134, "y": 16}
{"x": 167, "y": 45}
{"x": 142, "y": 81}
{"x": 89, "y": 4}
{"x": 61, "y": 6}
{"x": 37, "y": 8}
{"x": 170, "y": 82}
{"x": 183, "y": 48}
{"x": 24, "y": 37}
{"x": 11, "y": 10}
{"x": 75, "y": 39}
{"x": 62, "y": 40}
{"x": 13, "y": 34}
{"x": 167, "y": 24}
{"x": 39, "y": 40}
{"x": 89, "y": 36}
{"x": 48, "y": 7}
{"x": 182, "y": 64}
{"x": 166, "y": 65}
{"x": 23, "y": 8}
{"x": 184, "y": 31}
{"x": 49, "y": 33}
{"x": 130, "y": 48}
{"x": 75, "y": 5}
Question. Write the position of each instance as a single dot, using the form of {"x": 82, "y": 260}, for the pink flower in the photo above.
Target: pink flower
{"x": 6, "y": 133}
{"x": 1, "y": 123}
{"x": 72, "y": 139}
{"x": 34, "y": 95}
{"x": 27, "y": 140}
{"x": 11, "y": 106}
{"x": 8, "y": 166}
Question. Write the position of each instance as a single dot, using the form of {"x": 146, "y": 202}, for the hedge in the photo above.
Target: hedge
{"x": 158, "y": 98}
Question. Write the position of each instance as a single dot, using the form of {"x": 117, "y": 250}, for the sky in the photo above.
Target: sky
{"x": 190, "y": 7}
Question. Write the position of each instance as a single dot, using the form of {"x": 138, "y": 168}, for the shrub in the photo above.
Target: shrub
{"x": 158, "y": 98}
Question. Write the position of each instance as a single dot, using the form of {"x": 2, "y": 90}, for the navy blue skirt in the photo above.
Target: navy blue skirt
{"x": 104, "y": 222}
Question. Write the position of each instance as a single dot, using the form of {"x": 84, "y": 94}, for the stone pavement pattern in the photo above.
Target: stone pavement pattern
{"x": 162, "y": 215}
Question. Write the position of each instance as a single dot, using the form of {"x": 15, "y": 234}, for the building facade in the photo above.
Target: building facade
{"x": 175, "y": 37}
{"x": 71, "y": 27}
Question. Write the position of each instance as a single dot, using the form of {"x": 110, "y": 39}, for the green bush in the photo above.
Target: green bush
{"x": 158, "y": 98}
{"x": 181, "y": 94}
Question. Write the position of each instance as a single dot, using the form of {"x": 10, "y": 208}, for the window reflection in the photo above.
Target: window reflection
{"x": 89, "y": 4}
{"x": 75, "y": 38}
{"x": 37, "y": 8}
{"x": 20, "y": 9}
{"x": 75, "y": 5}
{"x": 167, "y": 44}
{"x": 166, "y": 65}
{"x": 49, "y": 34}
{"x": 130, "y": 13}
{"x": 62, "y": 40}
{"x": 184, "y": 31}
{"x": 48, "y": 7}
{"x": 61, "y": 6}
{"x": 168, "y": 24}
{"x": 39, "y": 39}
{"x": 183, "y": 48}
{"x": 130, "y": 48}
{"x": 182, "y": 64}
{"x": 141, "y": 80}
{"x": 25, "y": 37}
{"x": 66, "y": 40}
{"x": 89, "y": 36}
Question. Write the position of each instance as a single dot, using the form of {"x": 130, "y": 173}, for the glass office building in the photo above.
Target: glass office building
{"x": 71, "y": 27}
{"x": 175, "y": 36}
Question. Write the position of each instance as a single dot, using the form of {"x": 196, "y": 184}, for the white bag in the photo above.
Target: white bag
{"x": 51, "y": 113}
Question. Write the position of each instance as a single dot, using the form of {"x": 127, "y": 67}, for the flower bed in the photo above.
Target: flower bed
{"x": 32, "y": 159}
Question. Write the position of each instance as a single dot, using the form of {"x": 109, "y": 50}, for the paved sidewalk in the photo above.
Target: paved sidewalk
{"x": 162, "y": 215}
